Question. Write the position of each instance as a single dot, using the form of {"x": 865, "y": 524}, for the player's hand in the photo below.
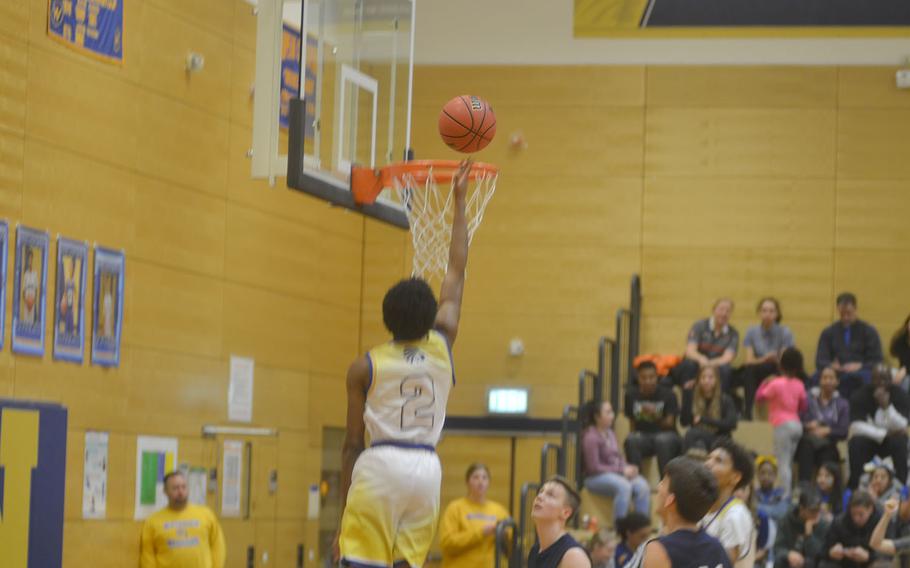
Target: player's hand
{"x": 696, "y": 420}
{"x": 795, "y": 559}
{"x": 460, "y": 181}
{"x": 853, "y": 367}
{"x": 489, "y": 529}
{"x": 631, "y": 472}
{"x": 859, "y": 555}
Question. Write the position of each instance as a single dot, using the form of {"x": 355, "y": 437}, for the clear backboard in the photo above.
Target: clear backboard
{"x": 333, "y": 90}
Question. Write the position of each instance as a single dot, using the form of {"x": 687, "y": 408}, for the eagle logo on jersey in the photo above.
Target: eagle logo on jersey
{"x": 414, "y": 356}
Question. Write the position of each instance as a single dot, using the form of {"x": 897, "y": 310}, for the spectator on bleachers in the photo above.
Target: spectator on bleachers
{"x": 847, "y": 542}
{"x": 889, "y": 546}
{"x": 850, "y": 346}
{"x": 467, "y": 530}
{"x": 651, "y": 410}
{"x": 606, "y": 471}
{"x": 878, "y": 425}
{"x": 728, "y": 519}
{"x": 602, "y": 550}
{"x": 900, "y": 350}
{"x": 825, "y": 423}
{"x": 712, "y": 342}
{"x": 763, "y": 344}
{"x": 633, "y": 530}
{"x": 882, "y": 485}
{"x": 830, "y": 487}
{"x": 801, "y": 533}
{"x": 771, "y": 500}
{"x": 786, "y": 398}
{"x": 708, "y": 412}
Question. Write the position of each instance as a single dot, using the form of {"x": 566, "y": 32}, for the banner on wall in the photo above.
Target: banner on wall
{"x": 69, "y": 300}
{"x": 741, "y": 18}
{"x": 290, "y": 78}
{"x": 33, "y": 457}
{"x": 29, "y": 288}
{"x": 231, "y": 478}
{"x": 92, "y": 27}
{"x": 107, "y": 306}
{"x": 94, "y": 476}
{"x": 155, "y": 458}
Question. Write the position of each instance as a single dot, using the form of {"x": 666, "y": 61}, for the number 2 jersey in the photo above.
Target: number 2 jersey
{"x": 409, "y": 388}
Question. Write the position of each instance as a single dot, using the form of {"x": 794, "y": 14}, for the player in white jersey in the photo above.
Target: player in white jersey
{"x": 398, "y": 391}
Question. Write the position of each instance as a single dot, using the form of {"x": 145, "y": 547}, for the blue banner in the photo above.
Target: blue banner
{"x": 29, "y": 289}
{"x": 69, "y": 300}
{"x": 32, "y": 480}
{"x": 110, "y": 266}
{"x": 290, "y": 77}
{"x": 93, "y": 27}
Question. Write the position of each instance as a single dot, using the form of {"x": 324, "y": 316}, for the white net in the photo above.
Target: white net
{"x": 429, "y": 206}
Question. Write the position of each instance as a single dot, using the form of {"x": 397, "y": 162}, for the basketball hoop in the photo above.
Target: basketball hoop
{"x": 424, "y": 189}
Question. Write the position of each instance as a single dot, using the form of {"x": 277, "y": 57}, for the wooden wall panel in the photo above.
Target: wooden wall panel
{"x": 876, "y": 277}
{"x": 12, "y": 156}
{"x": 14, "y": 16}
{"x": 79, "y": 198}
{"x": 13, "y": 84}
{"x": 872, "y": 214}
{"x": 746, "y": 86}
{"x": 738, "y": 213}
{"x": 738, "y": 142}
{"x": 873, "y": 144}
{"x": 166, "y": 39}
{"x": 869, "y": 87}
{"x": 182, "y": 145}
{"x": 75, "y": 105}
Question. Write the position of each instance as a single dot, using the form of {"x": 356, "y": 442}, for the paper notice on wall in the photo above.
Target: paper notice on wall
{"x": 94, "y": 476}
{"x": 196, "y": 478}
{"x": 155, "y": 458}
{"x": 231, "y": 478}
{"x": 240, "y": 390}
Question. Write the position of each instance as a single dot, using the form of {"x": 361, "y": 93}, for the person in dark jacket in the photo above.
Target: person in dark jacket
{"x": 847, "y": 543}
{"x": 850, "y": 346}
{"x": 801, "y": 534}
{"x": 825, "y": 423}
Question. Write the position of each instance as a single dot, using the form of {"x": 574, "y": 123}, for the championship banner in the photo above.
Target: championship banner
{"x": 29, "y": 289}
{"x": 290, "y": 77}
{"x": 108, "y": 306}
{"x": 741, "y": 18}
{"x": 93, "y": 27}
{"x": 33, "y": 462}
{"x": 69, "y": 300}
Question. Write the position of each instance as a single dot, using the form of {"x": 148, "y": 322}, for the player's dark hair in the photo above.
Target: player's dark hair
{"x": 409, "y": 309}
{"x": 742, "y": 461}
{"x": 861, "y": 498}
{"x": 632, "y": 522}
{"x": 846, "y": 298}
{"x": 474, "y": 467}
{"x": 791, "y": 364}
{"x": 171, "y": 474}
{"x": 646, "y": 365}
{"x": 589, "y": 412}
{"x": 693, "y": 485}
{"x": 773, "y": 300}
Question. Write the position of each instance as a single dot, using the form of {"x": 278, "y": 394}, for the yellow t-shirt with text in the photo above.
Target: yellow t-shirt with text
{"x": 461, "y": 535}
{"x": 190, "y": 538}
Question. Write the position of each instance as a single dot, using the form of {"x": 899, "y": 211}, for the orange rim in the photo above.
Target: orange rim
{"x": 367, "y": 184}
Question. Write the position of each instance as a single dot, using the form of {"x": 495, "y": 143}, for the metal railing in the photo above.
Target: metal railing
{"x": 551, "y": 466}
{"x": 526, "y": 533}
{"x": 507, "y": 540}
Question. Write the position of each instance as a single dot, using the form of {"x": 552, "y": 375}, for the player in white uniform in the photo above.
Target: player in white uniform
{"x": 398, "y": 391}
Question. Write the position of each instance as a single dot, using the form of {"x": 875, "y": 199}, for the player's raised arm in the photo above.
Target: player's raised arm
{"x": 453, "y": 284}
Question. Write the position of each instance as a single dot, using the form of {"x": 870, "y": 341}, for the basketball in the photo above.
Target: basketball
{"x": 467, "y": 124}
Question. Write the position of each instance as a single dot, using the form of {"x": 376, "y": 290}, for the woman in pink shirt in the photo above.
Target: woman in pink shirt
{"x": 786, "y": 398}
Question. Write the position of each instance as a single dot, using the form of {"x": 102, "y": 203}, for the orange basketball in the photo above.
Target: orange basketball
{"x": 467, "y": 123}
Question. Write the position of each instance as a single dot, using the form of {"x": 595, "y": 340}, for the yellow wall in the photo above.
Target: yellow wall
{"x": 801, "y": 171}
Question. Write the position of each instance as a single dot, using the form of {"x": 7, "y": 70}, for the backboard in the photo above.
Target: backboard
{"x": 333, "y": 89}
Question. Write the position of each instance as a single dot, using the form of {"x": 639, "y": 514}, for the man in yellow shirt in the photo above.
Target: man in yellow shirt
{"x": 182, "y": 535}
